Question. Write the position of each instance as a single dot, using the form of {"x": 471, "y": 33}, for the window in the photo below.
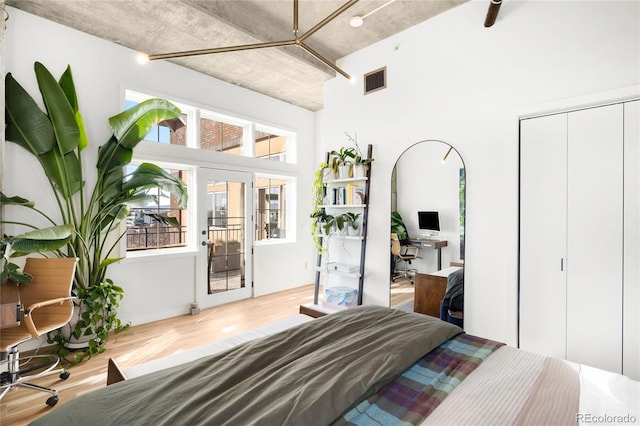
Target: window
{"x": 216, "y": 135}
{"x": 219, "y": 132}
{"x": 218, "y": 210}
{"x": 270, "y": 146}
{"x": 148, "y": 226}
{"x": 171, "y": 132}
{"x": 160, "y": 223}
{"x": 271, "y": 208}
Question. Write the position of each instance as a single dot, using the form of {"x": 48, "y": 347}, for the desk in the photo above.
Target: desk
{"x": 432, "y": 244}
{"x": 429, "y": 291}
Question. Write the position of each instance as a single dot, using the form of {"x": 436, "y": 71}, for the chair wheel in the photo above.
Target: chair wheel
{"x": 65, "y": 375}
{"x": 52, "y": 400}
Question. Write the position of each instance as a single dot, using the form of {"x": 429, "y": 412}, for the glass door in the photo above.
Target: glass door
{"x": 224, "y": 218}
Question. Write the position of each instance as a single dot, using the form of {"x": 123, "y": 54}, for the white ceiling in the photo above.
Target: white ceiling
{"x": 287, "y": 73}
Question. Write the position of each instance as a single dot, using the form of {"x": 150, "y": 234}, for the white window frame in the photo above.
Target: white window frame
{"x": 244, "y": 162}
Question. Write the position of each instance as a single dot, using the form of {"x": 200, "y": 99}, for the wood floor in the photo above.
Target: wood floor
{"x": 154, "y": 340}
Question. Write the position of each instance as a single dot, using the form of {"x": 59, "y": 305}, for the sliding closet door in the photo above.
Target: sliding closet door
{"x": 594, "y": 237}
{"x": 543, "y": 154}
{"x": 631, "y": 289}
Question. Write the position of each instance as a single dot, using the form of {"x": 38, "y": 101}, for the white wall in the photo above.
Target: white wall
{"x": 162, "y": 286}
{"x": 453, "y": 80}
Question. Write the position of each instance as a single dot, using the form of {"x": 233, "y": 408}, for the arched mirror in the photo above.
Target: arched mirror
{"x": 428, "y": 204}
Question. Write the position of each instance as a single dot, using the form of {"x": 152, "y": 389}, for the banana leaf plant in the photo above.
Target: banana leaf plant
{"x": 56, "y": 137}
{"x": 36, "y": 241}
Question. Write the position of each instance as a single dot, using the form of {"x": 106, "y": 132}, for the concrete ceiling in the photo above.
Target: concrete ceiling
{"x": 287, "y": 73}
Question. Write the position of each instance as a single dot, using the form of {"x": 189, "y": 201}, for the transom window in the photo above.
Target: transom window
{"x": 207, "y": 130}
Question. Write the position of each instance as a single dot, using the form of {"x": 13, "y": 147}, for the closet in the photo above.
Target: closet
{"x": 579, "y": 190}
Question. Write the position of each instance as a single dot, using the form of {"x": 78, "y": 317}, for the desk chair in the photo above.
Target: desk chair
{"x": 404, "y": 254}
{"x": 47, "y": 305}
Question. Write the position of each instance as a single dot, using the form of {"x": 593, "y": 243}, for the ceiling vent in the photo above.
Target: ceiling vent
{"x": 375, "y": 80}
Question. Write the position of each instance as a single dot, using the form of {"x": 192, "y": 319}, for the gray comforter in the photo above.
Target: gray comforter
{"x": 306, "y": 375}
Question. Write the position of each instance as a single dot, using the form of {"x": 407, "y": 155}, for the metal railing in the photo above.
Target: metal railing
{"x": 152, "y": 237}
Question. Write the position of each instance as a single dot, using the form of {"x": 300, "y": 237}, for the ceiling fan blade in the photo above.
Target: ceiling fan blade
{"x": 328, "y": 19}
{"x": 221, "y": 49}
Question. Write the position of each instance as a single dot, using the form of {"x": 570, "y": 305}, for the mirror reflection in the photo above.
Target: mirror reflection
{"x": 427, "y": 231}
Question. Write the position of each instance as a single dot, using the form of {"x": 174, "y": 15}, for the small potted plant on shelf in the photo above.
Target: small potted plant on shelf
{"x": 338, "y": 223}
{"x": 342, "y": 160}
{"x": 321, "y": 226}
{"x": 353, "y": 226}
{"x": 360, "y": 162}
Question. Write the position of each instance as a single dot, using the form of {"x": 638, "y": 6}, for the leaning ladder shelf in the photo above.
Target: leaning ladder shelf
{"x": 362, "y": 237}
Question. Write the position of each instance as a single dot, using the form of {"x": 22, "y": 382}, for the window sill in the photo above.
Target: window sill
{"x": 273, "y": 241}
{"x": 155, "y": 254}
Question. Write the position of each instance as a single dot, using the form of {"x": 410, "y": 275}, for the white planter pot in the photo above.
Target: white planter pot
{"x": 323, "y": 231}
{"x": 344, "y": 171}
{"x": 328, "y": 174}
{"x": 359, "y": 171}
{"x": 353, "y": 232}
{"x": 66, "y": 331}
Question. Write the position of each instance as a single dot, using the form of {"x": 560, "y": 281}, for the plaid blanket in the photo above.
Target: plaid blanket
{"x": 410, "y": 398}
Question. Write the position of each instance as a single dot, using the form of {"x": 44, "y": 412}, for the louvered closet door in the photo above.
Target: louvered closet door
{"x": 543, "y": 153}
{"x": 595, "y": 237}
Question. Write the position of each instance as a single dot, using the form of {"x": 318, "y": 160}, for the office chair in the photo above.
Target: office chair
{"x": 404, "y": 254}
{"x": 47, "y": 305}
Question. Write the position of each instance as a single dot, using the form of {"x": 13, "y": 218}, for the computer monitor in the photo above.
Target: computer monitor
{"x": 429, "y": 221}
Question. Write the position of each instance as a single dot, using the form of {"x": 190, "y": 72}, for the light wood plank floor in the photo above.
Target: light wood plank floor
{"x": 145, "y": 342}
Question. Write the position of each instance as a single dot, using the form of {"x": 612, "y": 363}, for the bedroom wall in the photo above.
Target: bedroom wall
{"x": 453, "y": 80}
{"x": 160, "y": 286}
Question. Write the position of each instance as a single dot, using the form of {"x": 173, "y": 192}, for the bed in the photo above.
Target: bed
{"x": 365, "y": 365}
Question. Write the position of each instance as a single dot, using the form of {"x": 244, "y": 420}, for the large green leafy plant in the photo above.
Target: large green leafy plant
{"x": 57, "y": 139}
{"x": 36, "y": 241}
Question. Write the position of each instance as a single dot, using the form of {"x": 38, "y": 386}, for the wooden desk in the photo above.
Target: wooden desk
{"x": 432, "y": 244}
{"x": 429, "y": 291}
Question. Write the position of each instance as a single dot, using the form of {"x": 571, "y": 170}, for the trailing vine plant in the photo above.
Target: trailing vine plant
{"x": 317, "y": 214}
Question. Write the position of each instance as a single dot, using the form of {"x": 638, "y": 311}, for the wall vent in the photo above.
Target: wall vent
{"x": 375, "y": 80}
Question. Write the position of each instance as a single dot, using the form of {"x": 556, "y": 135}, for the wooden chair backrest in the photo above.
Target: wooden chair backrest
{"x": 52, "y": 279}
{"x": 395, "y": 244}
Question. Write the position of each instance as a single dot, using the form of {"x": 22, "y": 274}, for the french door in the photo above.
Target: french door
{"x": 226, "y": 236}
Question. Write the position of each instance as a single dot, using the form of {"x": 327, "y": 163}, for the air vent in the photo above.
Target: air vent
{"x": 375, "y": 80}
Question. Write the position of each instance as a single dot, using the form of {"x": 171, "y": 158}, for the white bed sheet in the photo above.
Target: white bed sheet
{"x": 607, "y": 398}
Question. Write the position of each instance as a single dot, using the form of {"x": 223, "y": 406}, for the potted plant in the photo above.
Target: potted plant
{"x": 56, "y": 138}
{"x": 322, "y": 223}
{"x": 338, "y": 223}
{"x": 342, "y": 160}
{"x": 353, "y": 227}
{"x": 360, "y": 162}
